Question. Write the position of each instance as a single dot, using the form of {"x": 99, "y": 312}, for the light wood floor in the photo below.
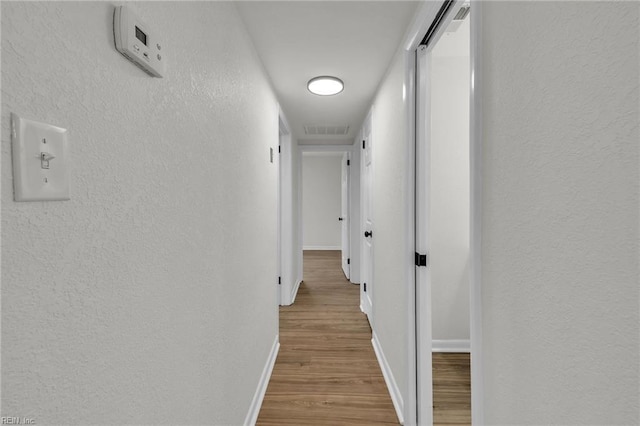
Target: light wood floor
{"x": 451, "y": 389}
{"x": 326, "y": 372}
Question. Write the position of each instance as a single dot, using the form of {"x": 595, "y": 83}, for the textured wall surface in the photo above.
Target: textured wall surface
{"x": 449, "y": 197}
{"x": 133, "y": 303}
{"x": 560, "y": 213}
{"x": 321, "y": 200}
{"x": 389, "y": 213}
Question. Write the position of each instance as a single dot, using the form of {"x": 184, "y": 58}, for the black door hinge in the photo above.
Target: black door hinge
{"x": 421, "y": 259}
{"x": 348, "y": 162}
{"x": 279, "y": 149}
{"x": 363, "y": 144}
{"x": 349, "y": 261}
{"x": 365, "y": 286}
{"x": 279, "y": 280}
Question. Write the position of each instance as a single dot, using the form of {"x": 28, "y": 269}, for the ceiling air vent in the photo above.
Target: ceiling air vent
{"x": 462, "y": 13}
{"x": 458, "y": 19}
{"x": 325, "y": 130}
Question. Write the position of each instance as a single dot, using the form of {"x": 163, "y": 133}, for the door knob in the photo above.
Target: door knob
{"x": 340, "y": 219}
{"x": 368, "y": 233}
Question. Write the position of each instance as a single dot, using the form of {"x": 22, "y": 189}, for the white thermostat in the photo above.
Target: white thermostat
{"x": 135, "y": 40}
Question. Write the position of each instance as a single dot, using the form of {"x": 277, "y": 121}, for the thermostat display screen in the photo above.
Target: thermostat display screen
{"x": 141, "y": 36}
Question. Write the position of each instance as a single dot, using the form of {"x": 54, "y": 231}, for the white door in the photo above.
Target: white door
{"x": 366, "y": 278}
{"x": 441, "y": 196}
{"x": 423, "y": 274}
{"x": 275, "y": 157}
{"x": 344, "y": 217}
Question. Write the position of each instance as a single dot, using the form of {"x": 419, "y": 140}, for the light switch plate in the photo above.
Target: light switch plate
{"x": 40, "y": 161}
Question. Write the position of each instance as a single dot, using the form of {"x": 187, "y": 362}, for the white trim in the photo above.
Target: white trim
{"x": 394, "y": 391}
{"x": 475, "y": 255}
{"x": 258, "y": 396}
{"x": 417, "y": 29}
{"x": 354, "y": 203}
{"x": 286, "y": 212}
{"x": 283, "y": 123}
{"x": 410, "y": 408}
{"x": 354, "y": 214}
{"x": 336, "y": 248}
{"x": 325, "y": 153}
{"x": 366, "y": 133}
{"x": 294, "y": 291}
{"x": 424, "y": 382}
{"x": 422, "y": 20}
{"x": 462, "y": 346}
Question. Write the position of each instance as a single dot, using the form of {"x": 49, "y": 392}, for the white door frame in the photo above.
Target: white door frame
{"x": 366, "y": 298}
{"x": 423, "y": 20}
{"x": 354, "y": 200}
{"x": 345, "y": 215}
{"x": 285, "y": 214}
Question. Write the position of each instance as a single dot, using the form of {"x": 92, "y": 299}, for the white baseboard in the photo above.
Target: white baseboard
{"x": 322, "y": 248}
{"x": 394, "y": 391}
{"x": 294, "y": 292}
{"x": 451, "y": 346}
{"x": 256, "y": 403}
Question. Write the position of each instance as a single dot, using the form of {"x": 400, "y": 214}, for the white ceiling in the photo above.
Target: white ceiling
{"x": 352, "y": 40}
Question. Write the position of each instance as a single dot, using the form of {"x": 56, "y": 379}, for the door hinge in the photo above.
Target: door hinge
{"x": 421, "y": 259}
{"x": 348, "y": 261}
{"x": 279, "y": 149}
{"x": 365, "y": 286}
{"x": 348, "y": 162}
{"x": 363, "y": 143}
{"x": 279, "y": 280}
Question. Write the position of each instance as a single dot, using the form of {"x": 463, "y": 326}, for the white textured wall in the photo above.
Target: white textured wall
{"x": 321, "y": 200}
{"x": 560, "y": 213}
{"x": 389, "y": 213}
{"x": 449, "y": 192}
{"x": 134, "y": 303}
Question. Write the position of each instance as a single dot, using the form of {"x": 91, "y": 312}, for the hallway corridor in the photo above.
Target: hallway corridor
{"x": 326, "y": 371}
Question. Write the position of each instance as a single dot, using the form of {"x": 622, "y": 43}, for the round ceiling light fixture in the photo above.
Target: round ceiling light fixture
{"x": 325, "y": 85}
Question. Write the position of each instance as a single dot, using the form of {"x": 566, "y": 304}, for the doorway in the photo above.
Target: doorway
{"x": 445, "y": 217}
{"x": 348, "y": 231}
{"x": 345, "y": 217}
{"x": 366, "y": 289}
{"x": 289, "y": 266}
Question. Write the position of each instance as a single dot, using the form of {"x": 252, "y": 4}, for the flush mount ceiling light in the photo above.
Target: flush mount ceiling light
{"x": 325, "y": 85}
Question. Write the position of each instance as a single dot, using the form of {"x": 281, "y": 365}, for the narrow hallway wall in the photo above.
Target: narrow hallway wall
{"x": 390, "y": 202}
{"x": 133, "y": 303}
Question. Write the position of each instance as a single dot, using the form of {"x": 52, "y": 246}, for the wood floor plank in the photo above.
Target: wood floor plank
{"x": 326, "y": 372}
{"x": 451, "y": 389}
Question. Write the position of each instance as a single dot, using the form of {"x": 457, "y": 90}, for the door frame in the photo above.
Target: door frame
{"x": 285, "y": 213}
{"x": 366, "y": 133}
{"x": 354, "y": 200}
{"x": 425, "y": 16}
{"x": 345, "y": 221}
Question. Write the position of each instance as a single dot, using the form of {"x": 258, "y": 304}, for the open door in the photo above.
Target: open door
{"x": 443, "y": 216}
{"x": 344, "y": 217}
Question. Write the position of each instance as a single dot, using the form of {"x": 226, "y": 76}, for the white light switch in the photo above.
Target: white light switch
{"x": 40, "y": 160}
